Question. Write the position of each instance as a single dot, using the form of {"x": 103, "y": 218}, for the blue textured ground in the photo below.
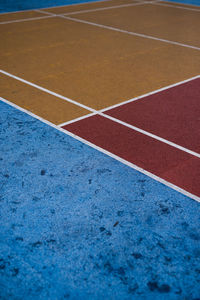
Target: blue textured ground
{"x": 77, "y": 224}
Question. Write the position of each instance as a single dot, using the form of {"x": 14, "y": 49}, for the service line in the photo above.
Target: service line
{"x": 25, "y": 20}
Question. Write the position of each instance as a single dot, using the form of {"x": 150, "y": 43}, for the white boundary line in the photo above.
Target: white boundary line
{"x": 104, "y": 115}
{"x": 149, "y": 94}
{"x": 24, "y": 20}
{"x": 106, "y": 8}
{"x": 130, "y": 32}
{"x": 175, "y": 6}
{"x": 133, "y": 166}
{"x": 135, "y": 129}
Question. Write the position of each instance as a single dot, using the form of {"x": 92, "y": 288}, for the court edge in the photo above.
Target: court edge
{"x": 103, "y": 115}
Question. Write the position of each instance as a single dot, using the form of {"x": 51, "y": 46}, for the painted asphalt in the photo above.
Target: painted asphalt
{"x": 77, "y": 224}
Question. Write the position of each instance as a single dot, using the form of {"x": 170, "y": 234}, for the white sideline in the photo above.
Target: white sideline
{"x": 133, "y": 166}
{"x": 24, "y": 20}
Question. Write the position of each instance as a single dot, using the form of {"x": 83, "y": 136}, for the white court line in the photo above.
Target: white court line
{"x": 150, "y": 93}
{"x": 48, "y": 91}
{"x": 72, "y": 13}
{"x": 175, "y": 6}
{"x": 133, "y": 166}
{"x": 124, "y": 31}
{"x": 130, "y": 32}
{"x": 76, "y": 120}
{"x": 24, "y": 20}
{"x": 106, "y": 27}
{"x": 104, "y": 115}
{"x": 156, "y": 137}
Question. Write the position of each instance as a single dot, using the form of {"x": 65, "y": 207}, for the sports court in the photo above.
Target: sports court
{"x": 100, "y": 150}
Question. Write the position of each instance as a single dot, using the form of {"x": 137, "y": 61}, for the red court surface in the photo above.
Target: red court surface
{"x": 172, "y": 114}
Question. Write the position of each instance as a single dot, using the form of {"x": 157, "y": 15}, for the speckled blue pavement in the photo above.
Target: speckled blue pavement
{"x": 77, "y": 224}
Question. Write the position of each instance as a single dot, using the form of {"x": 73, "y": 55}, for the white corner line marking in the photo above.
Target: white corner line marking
{"x": 121, "y": 160}
{"x": 103, "y": 115}
{"x": 149, "y": 94}
{"x": 130, "y": 32}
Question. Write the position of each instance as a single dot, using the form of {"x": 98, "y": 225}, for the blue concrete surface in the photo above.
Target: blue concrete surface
{"x": 13, "y": 5}
{"x": 77, "y": 224}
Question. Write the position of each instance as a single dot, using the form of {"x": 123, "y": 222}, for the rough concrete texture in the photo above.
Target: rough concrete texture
{"x": 76, "y": 224}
